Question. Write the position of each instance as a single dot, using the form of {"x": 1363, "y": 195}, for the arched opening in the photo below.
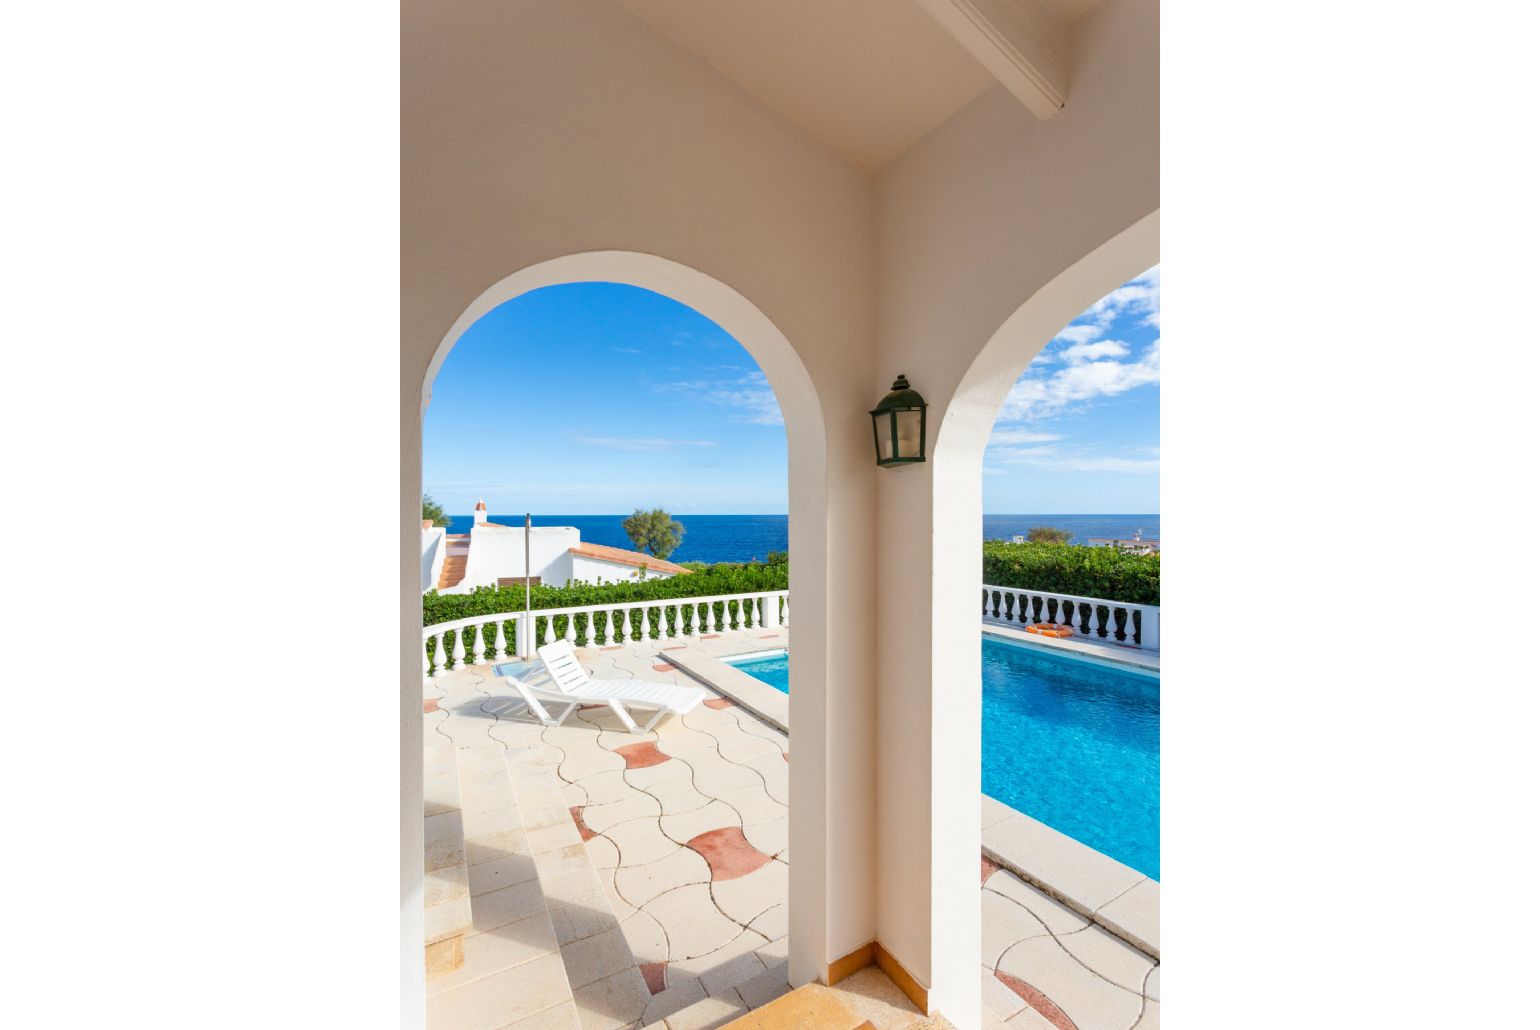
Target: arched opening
{"x": 615, "y": 790}
{"x": 961, "y": 443}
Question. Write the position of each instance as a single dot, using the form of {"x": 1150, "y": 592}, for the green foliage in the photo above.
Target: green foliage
{"x": 654, "y": 531}
{"x": 776, "y": 558}
{"x": 433, "y": 512}
{"x": 1048, "y": 535}
{"x": 1085, "y": 571}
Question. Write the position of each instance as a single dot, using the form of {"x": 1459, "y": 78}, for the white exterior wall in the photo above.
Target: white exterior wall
{"x": 596, "y": 570}
{"x": 432, "y": 556}
{"x": 638, "y": 163}
{"x": 498, "y": 552}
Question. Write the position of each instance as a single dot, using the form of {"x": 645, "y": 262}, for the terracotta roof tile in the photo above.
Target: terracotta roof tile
{"x": 623, "y": 557}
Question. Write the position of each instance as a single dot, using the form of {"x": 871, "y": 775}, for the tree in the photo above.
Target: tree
{"x": 1048, "y": 535}
{"x": 433, "y": 512}
{"x": 775, "y": 558}
{"x": 654, "y": 531}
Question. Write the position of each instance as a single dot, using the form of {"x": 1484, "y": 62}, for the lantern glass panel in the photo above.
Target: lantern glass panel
{"x": 908, "y": 433}
{"x": 883, "y": 426}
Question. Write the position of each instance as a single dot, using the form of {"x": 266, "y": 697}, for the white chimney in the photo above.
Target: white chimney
{"x": 481, "y": 512}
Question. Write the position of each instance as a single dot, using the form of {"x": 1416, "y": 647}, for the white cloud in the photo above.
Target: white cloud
{"x": 639, "y": 443}
{"x": 1082, "y": 352}
{"x": 1019, "y": 436}
{"x": 750, "y": 395}
{"x": 1040, "y": 396}
{"x": 1051, "y": 459}
{"x": 1079, "y": 333}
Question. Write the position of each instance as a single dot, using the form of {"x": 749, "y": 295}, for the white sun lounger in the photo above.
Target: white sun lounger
{"x": 571, "y": 686}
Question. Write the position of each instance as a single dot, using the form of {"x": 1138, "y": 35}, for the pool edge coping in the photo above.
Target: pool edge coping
{"x": 1085, "y": 880}
{"x": 1128, "y": 658}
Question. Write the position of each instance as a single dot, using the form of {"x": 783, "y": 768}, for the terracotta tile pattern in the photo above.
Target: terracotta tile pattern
{"x": 676, "y": 647}
{"x": 986, "y": 868}
{"x": 613, "y": 647}
{"x": 728, "y": 852}
{"x": 582, "y": 827}
{"x": 1040, "y": 1002}
{"x": 769, "y": 636}
{"x": 641, "y": 756}
{"x": 663, "y": 667}
{"x": 719, "y": 703}
{"x": 621, "y": 556}
{"x": 430, "y": 705}
{"x": 656, "y": 975}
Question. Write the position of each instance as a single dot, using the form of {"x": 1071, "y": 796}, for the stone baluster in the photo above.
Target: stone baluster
{"x": 571, "y": 634}
{"x": 500, "y": 641}
{"x": 550, "y": 631}
{"x": 427, "y": 667}
{"x": 459, "y": 652}
{"x": 1096, "y": 620}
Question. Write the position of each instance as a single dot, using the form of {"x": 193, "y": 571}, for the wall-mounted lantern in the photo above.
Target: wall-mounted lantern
{"x": 898, "y": 426}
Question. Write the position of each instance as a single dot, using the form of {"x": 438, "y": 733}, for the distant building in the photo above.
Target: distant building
{"x": 492, "y": 554}
{"x": 1136, "y": 545}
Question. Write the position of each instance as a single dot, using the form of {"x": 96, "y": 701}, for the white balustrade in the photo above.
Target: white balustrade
{"x": 692, "y": 617}
{"x": 1015, "y": 606}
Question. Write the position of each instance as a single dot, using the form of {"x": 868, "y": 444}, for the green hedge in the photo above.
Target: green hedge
{"x": 724, "y": 578}
{"x": 1085, "y": 571}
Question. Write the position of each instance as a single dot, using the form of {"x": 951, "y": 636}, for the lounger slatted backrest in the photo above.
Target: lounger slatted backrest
{"x": 562, "y": 664}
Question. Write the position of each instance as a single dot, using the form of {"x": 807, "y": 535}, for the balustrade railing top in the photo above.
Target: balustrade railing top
{"x": 516, "y": 634}
{"x": 1115, "y": 622}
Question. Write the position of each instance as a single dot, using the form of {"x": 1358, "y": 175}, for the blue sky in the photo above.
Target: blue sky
{"x": 597, "y": 398}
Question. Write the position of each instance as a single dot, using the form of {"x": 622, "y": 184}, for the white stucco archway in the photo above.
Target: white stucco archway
{"x": 808, "y": 544}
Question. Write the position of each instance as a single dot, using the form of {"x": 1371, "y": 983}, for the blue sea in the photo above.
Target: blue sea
{"x": 714, "y": 538}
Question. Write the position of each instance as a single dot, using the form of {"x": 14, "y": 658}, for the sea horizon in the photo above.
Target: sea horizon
{"x": 741, "y": 538}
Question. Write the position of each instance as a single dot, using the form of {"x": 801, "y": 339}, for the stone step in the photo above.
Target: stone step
{"x": 446, "y": 892}
{"x": 865, "y": 1000}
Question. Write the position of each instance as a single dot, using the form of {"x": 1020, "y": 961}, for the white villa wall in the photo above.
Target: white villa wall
{"x": 498, "y": 552}
{"x": 432, "y": 556}
{"x": 594, "y": 570}
{"x": 547, "y": 143}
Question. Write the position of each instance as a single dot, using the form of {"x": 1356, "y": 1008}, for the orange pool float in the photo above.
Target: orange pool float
{"x": 1048, "y": 629}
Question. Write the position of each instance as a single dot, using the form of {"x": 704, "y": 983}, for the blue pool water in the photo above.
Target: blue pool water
{"x": 771, "y": 670}
{"x": 1071, "y": 743}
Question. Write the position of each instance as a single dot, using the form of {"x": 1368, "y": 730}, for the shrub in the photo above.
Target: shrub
{"x": 1085, "y": 571}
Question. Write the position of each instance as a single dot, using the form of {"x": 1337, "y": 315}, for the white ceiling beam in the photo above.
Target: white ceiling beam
{"x": 1021, "y": 42}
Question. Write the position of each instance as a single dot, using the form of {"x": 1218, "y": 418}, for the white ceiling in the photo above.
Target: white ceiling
{"x": 867, "y": 77}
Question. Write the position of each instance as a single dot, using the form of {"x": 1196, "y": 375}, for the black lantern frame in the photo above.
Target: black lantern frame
{"x": 895, "y": 420}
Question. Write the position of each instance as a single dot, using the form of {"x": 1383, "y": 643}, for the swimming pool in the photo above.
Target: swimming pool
{"x": 1072, "y": 743}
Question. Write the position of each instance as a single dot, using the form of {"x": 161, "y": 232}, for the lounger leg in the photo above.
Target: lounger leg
{"x": 656, "y": 718}
{"x": 625, "y": 716}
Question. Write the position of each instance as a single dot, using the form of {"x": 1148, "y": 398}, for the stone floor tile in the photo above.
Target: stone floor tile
{"x": 688, "y": 825}
{"x": 999, "y": 1000}
{"x": 637, "y": 805}
{"x": 770, "y": 837}
{"x": 594, "y": 958}
{"x": 778, "y": 950}
{"x": 773, "y": 923}
{"x": 1110, "y": 956}
{"x": 574, "y": 794}
{"x": 1150, "y": 1019}
{"x": 678, "y": 996}
{"x": 1091, "y": 1002}
{"x": 746, "y": 941}
{"x": 772, "y": 767}
{"x": 739, "y": 747}
{"x": 638, "y": 885}
{"x": 507, "y": 905}
{"x": 503, "y": 948}
{"x": 651, "y": 777}
{"x": 878, "y": 999}
{"x": 440, "y": 794}
{"x": 558, "y": 1017}
{"x": 1152, "y": 985}
{"x": 752, "y": 804}
{"x": 447, "y": 919}
{"x": 646, "y": 938}
{"x": 1057, "y": 917}
{"x": 714, "y": 776}
{"x": 640, "y": 841}
{"x": 677, "y": 796}
{"x": 575, "y": 770}
{"x": 1136, "y": 913}
{"x": 680, "y": 740}
{"x": 765, "y": 987}
{"x": 731, "y": 972}
{"x": 1004, "y": 922}
{"x": 606, "y": 787}
{"x": 706, "y": 1014}
{"x": 603, "y": 852}
{"x": 746, "y": 898}
{"x": 694, "y": 926}
{"x": 502, "y": 998}
{"x": 492, "y": 820}
{"x": 553, "y": 837}
{"x": 616, "y": 1001}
